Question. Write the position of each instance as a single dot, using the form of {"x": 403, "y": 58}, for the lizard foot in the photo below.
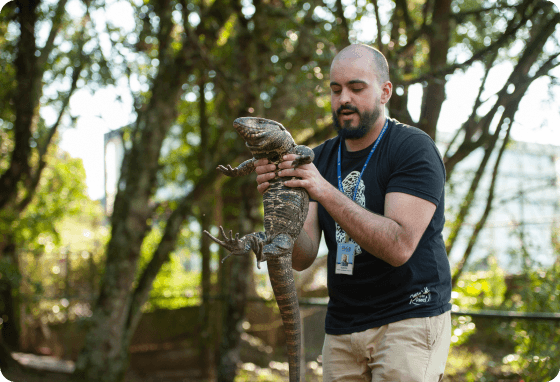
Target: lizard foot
{"x": 302, "y": 159}
{"x": 227, "y": 170}
{"x": 240, "y": 247}
{"x": 235, "y": 245}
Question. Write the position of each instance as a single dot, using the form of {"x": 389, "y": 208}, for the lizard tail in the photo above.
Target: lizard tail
{"x": 283, "y": 285}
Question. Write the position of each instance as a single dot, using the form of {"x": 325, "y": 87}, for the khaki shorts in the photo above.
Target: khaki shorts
{"x": 411, "y": 350}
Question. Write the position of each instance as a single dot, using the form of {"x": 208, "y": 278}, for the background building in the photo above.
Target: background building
{"x": 525, "y": 211}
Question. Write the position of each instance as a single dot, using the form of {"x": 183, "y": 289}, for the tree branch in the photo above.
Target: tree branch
{"x": 482, "y": 221}
{"x": 519, "y": 78}
{"x": 36, "y": 176}
{"x": 510, "y": 32}
{"x": 510, "y": 100}
{"x": 345, "y": 31}
{"x": 461, "y": 15}
{"x": 167, "y": 245}
{"x": 378, "y": 23}
{"x": 56, "y": 24}
{"x": 467, "y": 202}
{"x": 163, "y": 9}
{"x": 469, "y": 127}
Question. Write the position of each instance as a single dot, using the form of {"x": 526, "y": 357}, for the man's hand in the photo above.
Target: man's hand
{"x": 310, "y": 178}
{"x": 265, "y": 172}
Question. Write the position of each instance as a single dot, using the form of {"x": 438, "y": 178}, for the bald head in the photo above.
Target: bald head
{"x": 372, "y": 55}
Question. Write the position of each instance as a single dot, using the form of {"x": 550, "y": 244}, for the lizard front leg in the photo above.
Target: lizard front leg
{"x": 305, "y": 155}
{"x": 244, "y": 168}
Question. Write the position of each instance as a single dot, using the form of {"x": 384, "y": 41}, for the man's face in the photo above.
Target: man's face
{"x": 355, "y": 96}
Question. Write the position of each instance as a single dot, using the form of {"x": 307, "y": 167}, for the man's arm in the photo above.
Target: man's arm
{"x": 392, "y": 237}
{"x": 307, "y": 243}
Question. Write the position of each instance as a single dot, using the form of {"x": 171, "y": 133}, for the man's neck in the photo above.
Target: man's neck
{"x": 368, "y": 139}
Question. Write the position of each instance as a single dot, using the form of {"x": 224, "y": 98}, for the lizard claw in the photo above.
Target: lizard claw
{"x": 257, "y": 247}
{"x": 215, "y": 239}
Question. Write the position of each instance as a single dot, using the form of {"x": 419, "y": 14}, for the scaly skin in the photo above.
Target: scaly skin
{"x": 285, "y": 210}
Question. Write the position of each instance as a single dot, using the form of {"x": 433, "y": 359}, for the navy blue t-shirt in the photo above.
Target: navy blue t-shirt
{"x": 406, "y": 160}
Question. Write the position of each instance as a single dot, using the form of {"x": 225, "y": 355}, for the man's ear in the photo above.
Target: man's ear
{"x": 386, "y": 92}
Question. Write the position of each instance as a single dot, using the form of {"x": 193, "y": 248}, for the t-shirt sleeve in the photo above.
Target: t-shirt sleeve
{"x": 418, "y": 169}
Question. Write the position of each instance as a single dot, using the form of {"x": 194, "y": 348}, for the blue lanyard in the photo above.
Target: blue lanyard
{"x": 365, "y": 164}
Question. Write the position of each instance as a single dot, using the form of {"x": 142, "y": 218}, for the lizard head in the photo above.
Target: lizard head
{"x": 264, "y": 137}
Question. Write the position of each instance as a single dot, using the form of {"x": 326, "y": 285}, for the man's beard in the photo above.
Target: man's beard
{"x": 366, "y": 121}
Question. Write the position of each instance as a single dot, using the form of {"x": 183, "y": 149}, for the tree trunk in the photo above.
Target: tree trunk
{"x": 122, "y": 294}
{"x": 105, "y": 355}
{"x": 434, "y": 92}
{"x": 205, "y": 218}
{"x": 26, "y": 100}
{"x": 235, "y": 281}
{"x": 9, "y": 289}
{"x": 117, "y": 310}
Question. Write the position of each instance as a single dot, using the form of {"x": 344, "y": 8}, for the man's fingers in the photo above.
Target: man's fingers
{"x": 266, "y": 168}
{"x": 265, "y": 177}
{"x": 262, "y": 187}
{"x": 294, "y": 183}
{"x": 261, "y": 162}
{"x": 288, "y": 161}
{"x": 289, "y": 157}
{"x": 289, "y": 172}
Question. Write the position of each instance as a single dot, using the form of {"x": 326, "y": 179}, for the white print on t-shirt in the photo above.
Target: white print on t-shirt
{"x": 421, "y": 297}
{"x": 349, "y": 184}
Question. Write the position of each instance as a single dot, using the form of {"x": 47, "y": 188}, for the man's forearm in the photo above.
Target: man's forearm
{"x": 377, "y": 234}
{"x": 304, "y": 253}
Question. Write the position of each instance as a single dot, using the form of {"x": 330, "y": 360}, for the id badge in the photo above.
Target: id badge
{"x": 345, "y": 258}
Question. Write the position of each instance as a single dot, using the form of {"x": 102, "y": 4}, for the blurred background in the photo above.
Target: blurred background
{"x": 115, "y": 114}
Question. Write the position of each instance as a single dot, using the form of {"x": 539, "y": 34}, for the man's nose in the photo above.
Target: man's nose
{"x": 345, "y": 97}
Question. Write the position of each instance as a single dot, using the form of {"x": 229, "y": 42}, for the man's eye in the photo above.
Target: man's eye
{"x": 356, "y": 90}
{"x": 336, "y": 90}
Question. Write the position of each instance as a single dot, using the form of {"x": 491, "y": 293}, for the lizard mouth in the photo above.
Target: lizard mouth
{"x": 254, "y": 129}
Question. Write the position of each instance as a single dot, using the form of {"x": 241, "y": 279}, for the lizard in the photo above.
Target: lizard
{"x": 285, "y": 211}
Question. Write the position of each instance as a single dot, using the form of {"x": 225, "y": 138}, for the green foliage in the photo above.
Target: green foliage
{"x": 253, "y": 373}
{"x": 58, "y": 239}
{"x": 9, "y": 272}
{"x": 176, "y": 285}
{"x": 537, "y": 342}
{"x": 482, "y": 290}
{"x": 465, "y": 365}
{"x": 527, "y": 348}
{"x": 61, "y": 193}
{"x": 8, "y": 37}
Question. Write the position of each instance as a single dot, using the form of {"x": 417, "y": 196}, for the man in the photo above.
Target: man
{"x": 388, "y": 317}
